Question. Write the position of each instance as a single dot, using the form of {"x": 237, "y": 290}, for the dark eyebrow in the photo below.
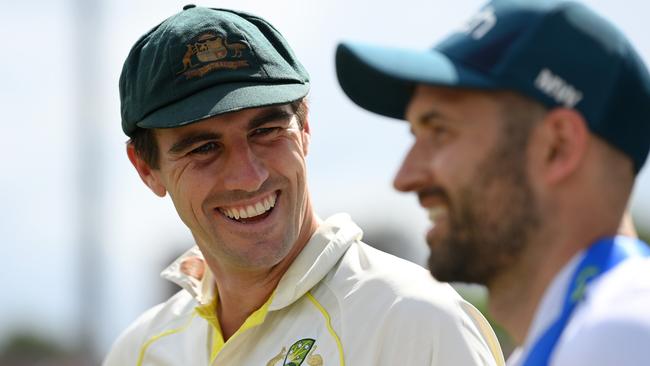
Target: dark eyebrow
{"x": 272, "y": 114}
{"x": 423, "y": 120}
{"x": 190, "y": 139}
{"x": 427, "y": 117}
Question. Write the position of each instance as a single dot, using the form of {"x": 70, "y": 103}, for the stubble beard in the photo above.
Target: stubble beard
{"x": 491, "y": 222}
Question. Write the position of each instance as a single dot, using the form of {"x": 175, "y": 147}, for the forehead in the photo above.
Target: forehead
{"x": 453, "y": 104}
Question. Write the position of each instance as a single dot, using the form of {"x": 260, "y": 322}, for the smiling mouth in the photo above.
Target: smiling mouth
{"x": 436, "y": 213}
{"x": 252, "y": 212}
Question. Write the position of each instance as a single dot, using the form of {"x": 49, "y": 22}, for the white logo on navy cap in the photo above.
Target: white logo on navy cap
{"x": 558, "y": 89}
{"x": 480, "y": 24}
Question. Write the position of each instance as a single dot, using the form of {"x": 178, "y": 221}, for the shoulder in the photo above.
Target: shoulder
{"x": 126, "y": 348}
{"x": 613, "y": 317}
{"x": 411, "y": 308}
{"x": 366, "y": 271}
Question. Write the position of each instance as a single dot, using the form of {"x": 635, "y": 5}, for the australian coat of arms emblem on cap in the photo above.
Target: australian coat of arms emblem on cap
{"x": 210, "y": 51}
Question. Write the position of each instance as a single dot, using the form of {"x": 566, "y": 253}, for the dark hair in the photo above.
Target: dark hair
{"x": 520, "y": 115}
{"x": 146, "y": 146}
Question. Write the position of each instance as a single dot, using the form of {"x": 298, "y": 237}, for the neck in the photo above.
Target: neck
{"x": 516, "y": 294}
{"x": 240, "y": 296}
{"x": 243, "y": 291}
{"x": 572, "y": 221}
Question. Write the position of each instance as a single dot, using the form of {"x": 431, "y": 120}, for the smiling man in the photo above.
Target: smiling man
{"x": 530, "y": 124}
{"x": 213, "y": 103}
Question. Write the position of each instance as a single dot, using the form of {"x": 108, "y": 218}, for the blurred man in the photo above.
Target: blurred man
{"x": 530, "y": 125}
{"x": 213, "y": 101}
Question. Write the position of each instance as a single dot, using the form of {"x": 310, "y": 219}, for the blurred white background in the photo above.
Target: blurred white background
{"x": 83, "y": 240}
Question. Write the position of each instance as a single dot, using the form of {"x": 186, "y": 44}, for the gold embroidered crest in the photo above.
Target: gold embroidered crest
{"x": 211, "y": 52}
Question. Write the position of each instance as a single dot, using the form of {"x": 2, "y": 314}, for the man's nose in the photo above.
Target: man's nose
{"x": 244, "y": 170}
{"x": 413, "y": 173}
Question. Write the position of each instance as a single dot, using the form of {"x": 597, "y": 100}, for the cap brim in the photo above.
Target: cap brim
{"x": 382, "y": 79}
{"x": 222, "y": 99}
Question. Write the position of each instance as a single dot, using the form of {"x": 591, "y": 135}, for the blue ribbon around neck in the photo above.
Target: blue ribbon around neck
{"x": 602, "y": 256}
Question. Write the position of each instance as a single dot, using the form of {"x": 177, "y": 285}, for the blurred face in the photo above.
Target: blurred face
{"x": 467, "y": 166}
{"x": 238, "y": 181}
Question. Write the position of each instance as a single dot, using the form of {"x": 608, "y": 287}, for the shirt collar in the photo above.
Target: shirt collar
{"x": 190, "y": 272}
{"x": 322, "y": 252}
{"x": 328, "y": 244}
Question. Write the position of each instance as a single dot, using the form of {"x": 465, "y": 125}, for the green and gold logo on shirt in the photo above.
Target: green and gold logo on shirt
{"x": 297, "y": 354}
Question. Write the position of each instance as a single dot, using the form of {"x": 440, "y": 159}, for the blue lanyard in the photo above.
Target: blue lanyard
{"x": 602, "y": 256}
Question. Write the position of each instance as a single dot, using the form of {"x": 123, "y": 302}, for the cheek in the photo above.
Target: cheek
{"x": 189, "y": 189}
{"x": 447, "y": 162}
{"x": 457, "y": 165}
{"x": 285, "y": 156}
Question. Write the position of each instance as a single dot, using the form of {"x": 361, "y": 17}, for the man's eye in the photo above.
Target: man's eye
{"x": 204, "y": 149}
{"x": 440, "y": 130}
{"x": 264, "y": 131}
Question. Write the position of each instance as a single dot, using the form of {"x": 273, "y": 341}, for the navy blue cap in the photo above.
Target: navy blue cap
{"x": 556, "y": 52}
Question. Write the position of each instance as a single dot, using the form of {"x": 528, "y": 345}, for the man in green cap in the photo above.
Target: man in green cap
{"x": 213, "y": 103}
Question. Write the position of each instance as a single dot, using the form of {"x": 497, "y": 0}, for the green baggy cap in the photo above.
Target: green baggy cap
{"x": 203, "y": 62}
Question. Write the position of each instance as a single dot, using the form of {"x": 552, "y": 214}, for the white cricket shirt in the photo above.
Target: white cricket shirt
{"x": 341, "y": 302}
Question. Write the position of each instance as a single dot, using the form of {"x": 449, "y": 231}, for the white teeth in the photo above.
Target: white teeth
{"x": 251, "y": 210}
{"x": 436, "y": 212}
{"x": 259, "y": 208}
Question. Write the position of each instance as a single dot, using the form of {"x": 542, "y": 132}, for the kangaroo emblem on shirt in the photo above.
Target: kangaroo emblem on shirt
{"x": 314, "y": 359}
{"x": 277, "y": 358}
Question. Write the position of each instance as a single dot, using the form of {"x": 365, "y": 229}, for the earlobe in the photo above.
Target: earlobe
{"x": 146, "y": 173}
{"x": 567, "y": 136}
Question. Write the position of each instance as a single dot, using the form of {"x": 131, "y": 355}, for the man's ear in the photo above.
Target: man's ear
{"x": 148, "y": 175}
{"x": 565, "y": 141}
{"x": 306, "y": 136}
